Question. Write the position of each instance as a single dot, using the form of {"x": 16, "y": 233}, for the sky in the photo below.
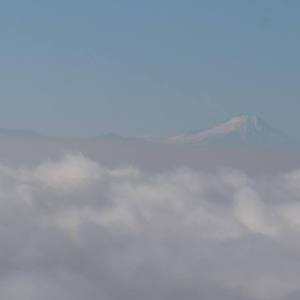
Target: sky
{"x": 80, "y": 68}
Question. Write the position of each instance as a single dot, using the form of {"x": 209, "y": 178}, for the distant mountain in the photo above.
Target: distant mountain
{"x": 117, "y": 138}
{"x": 241, "y": 129}
{"x": 6, "y": 132}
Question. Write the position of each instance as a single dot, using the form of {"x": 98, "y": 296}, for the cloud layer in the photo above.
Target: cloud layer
{"x": 73, "y": 229}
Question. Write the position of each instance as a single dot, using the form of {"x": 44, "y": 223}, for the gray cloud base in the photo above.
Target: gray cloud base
{"x": 73, "y": 229}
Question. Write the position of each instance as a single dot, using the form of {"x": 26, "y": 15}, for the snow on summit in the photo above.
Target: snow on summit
{"x": 243, "y": 128}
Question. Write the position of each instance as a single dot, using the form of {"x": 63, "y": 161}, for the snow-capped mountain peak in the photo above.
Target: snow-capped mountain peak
{"x": 243, "y": 128}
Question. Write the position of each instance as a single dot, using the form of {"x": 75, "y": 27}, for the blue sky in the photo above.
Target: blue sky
{"x": 147, "y": 67}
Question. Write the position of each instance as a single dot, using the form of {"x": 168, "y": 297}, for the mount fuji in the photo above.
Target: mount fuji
{"x": 243, "y": 129}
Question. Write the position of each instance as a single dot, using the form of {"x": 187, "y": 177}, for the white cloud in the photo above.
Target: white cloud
{"x": 73, "y": 229}
{"x": 71, "y": 173}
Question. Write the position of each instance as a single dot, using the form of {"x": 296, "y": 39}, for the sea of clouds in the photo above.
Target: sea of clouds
{"x": 74, "y": 229}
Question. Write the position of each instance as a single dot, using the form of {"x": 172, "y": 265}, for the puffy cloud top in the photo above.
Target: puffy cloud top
{"x": 73, "y": 229}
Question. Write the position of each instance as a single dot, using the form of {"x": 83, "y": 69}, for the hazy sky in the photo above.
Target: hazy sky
{"x": 86, "y": 67}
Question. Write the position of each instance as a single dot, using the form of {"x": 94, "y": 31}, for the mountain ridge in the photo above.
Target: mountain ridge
{"x": 244, "y": 129}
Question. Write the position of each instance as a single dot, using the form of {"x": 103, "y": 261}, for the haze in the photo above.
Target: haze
{"x": 149, "y": 150}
